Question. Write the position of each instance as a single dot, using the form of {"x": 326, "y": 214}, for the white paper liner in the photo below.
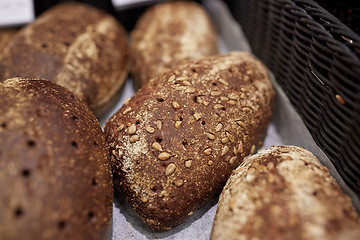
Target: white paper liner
{"x": 286, "y": 123}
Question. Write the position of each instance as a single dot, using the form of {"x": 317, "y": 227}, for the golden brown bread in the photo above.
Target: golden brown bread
{"x": 76, "y": 46}
{"x": 55, "y": 175}
{"x": 167, "y": 34}
{"x": 283, "y": 193}
{"x": 176, "y": 141}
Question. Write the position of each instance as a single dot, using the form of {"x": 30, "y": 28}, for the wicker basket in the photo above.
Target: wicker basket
{"x": 316, "y": 60}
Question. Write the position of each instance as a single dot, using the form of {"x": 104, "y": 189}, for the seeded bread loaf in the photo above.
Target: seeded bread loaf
{"x": 76, "y": 46}
{"x": 176, "y": 141}
{"x": 55, "y": 174}
{"x": 283, "y": 193}
{"x": 168, "y": 33}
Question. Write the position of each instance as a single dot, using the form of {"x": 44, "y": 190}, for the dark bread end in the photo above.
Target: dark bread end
{"x": 55, "y": 176}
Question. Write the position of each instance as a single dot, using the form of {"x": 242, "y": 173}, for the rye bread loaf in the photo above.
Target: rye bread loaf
{"x": 76, "y": 46}
{"x": 283, "y": 193}
{"x": 176, "y": 141}
{"x": 55, "y": 174}
{"x": 168, "y": 33}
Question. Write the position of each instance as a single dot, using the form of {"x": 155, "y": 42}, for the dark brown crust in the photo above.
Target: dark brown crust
{"x": 167, "y": 34}
{"x": 55, "y": 176}
{"x": 283, "y": 193}
{"x": 76, "y": 46}
{"x": 206, "y": 108}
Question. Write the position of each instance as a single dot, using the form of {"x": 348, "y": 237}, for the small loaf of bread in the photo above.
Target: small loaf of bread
{"x": 76, "y": 46}
{"x": 283, "y": 193}
{"x": 176, "y": 141}
{"x": 55, "y": 175}
{"x": 167, "y": 34}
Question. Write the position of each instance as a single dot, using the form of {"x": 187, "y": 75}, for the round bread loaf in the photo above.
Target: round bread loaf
{"x": 283, "y": 193}
{"x": 167, "y": 34}
{"x": 176, "y": 141}
{"x": 55, "y": 174}
{"x": 76, "y": 46}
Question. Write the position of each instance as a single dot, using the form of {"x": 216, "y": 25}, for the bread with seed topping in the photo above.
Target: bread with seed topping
{"x": 76, "y": 46}
{"x": 176, "y": 141}
{"x": 167, "y": 34}
{"x": 284, "y": 193}
{"x": 55, "y": 174}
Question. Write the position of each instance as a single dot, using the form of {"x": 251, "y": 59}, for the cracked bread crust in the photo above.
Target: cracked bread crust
{"x": 76, "y": 46}
{"x": 176, "y": 141}
{"x": 282, "y": 193}
{"x": 167, "y": 34}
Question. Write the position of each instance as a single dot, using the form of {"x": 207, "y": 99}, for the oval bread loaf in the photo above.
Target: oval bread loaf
{"x": 55, "y": 174}
{"x": 76, "y": 46}
{"x": 168, "y": 33}
{"x": 176, "y": 141}
{"x": 283, "y": 193}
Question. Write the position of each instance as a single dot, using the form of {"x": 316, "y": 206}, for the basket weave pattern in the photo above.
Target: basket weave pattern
{"x": 316, "y": 60}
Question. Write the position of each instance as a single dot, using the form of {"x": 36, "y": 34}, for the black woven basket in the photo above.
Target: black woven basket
{"x": 315, "y": 59}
